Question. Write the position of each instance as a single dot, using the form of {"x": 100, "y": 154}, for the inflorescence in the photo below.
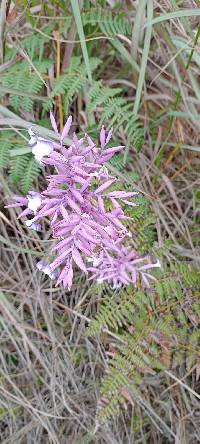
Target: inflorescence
{"x": 79, "y": 191}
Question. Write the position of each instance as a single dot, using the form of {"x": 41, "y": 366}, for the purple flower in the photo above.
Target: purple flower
{"x": 75, "y": 202}
{"x": 34, "y": 201}
{"x": 40, "y": 147}
{"x": 45, "y": 268}
{"x": 32, "y": 225}
{"x": 121, "y": 267}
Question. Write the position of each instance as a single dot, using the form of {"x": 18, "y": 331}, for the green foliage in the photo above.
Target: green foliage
{"x": 25, "y": 81}
{"x": 20, "y": 86}
{"x": 73, "y": 80}
{"x": 30, "y": 174}
{"x": 117, "y": 163}
{"x": 18, "y": 166}
{"x": 116, "y": 112}
{"x": 23, "y": 87}
{"x": 109, "y": 23}
{"x": 151, "y": 330}
{"x": 6, "y": 144}
{"x": 34, "y": 44}
{"x": 116, "y": 311}
{"x": 24, "y": 171}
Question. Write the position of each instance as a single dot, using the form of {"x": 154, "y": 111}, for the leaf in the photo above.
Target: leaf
{"x": 145, "y": 54}
{"x": 30, "y": 174}
{"x": 195, "y": 12}
{"x": 77, "y": 16}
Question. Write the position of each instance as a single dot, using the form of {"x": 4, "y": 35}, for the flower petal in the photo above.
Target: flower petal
{"x": 32, "y": 225}
{"x": 34, "y": 201}
{"x": 104, "y": 186}
{"x": 102, "y": 137}
{"x": 109, "y": 136}
{"x": 78, "y": 260}
{"x": 66, "y": 128}
{"x": 53, "y": 123}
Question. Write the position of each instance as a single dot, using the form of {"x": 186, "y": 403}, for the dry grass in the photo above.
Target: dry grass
{"x": 50, "y": 372}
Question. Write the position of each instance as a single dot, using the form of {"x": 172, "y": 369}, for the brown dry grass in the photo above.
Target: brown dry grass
{"x": 50, "y": 372}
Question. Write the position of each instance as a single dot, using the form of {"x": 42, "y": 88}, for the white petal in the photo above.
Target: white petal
{"x": 89, "y": 259}
{"x": 34, "y": 202}
{"x": 32, "y": 225}
{"x": 32, "y": 140}
{"x": 39, "y": 265}
{"x": 53, "y": 275}
{"x": 158, "y": 264}
{"x": 46, "y": 269}
{"x": 96, "y": 261}
{"x": 41, "y": 149}
{"x": 30, "y": 131}
{"x": 116, "y": 286}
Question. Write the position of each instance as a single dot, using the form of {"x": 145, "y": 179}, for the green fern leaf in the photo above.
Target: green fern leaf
{"x": 19, "y": 78}
{"x": 117, "y": 112}
{"x": 34, "y": 84}
{"x": 100, "y": 94}
{"x": 18, "y": 165}
{"x": 74, "y": 78}
{"x": 31, "y": 173}
{"x": 109, "y": 23}
{"x": 35, "y": 43}
{"x": 5, "y": 146}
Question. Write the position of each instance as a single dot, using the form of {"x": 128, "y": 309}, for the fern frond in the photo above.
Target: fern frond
{"x": 113, "y": 314}
{"x": 15, "y": 81}
{"x": 21, "y": 78}
{"x": 35, "y": 43}
{"x": 24, "y": 170}
{"x": 189, "y": 274}
{"x": 6, "y": 145}
{"x": 18, "y": 165}
{"x": 73, "y": 80}
{"x": 31, "y": 173}
{"x": 100, "y": 94}
{"x": 109, "y": 23}
{"x": 168, "y": 286}
{"x": 147, "y": 325}
{"x": 34, "y": 84}
{"x": 4, "y": 154}
{"x": 116, "y": 112}
{"x": 41, "y": 66}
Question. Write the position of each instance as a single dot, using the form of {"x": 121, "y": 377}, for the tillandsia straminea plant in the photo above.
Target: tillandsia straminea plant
{"x": 76, "y": 199}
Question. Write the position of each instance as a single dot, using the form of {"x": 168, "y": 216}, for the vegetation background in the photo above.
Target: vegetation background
{"x": 133, "y": 375}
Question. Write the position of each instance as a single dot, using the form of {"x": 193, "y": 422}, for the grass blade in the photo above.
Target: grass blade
{"x": 13, "y": 246}
{"x": 124, "y": 53}
{"x": 2, "y": 28}
{"x": 77, "y": 17}
{"x": 195, "y": 12}
{"x": 137, "y": 28}
{"x": 145, "y": 54}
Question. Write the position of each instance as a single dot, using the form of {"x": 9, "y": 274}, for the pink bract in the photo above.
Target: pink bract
{"x": 76, "y": 199}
